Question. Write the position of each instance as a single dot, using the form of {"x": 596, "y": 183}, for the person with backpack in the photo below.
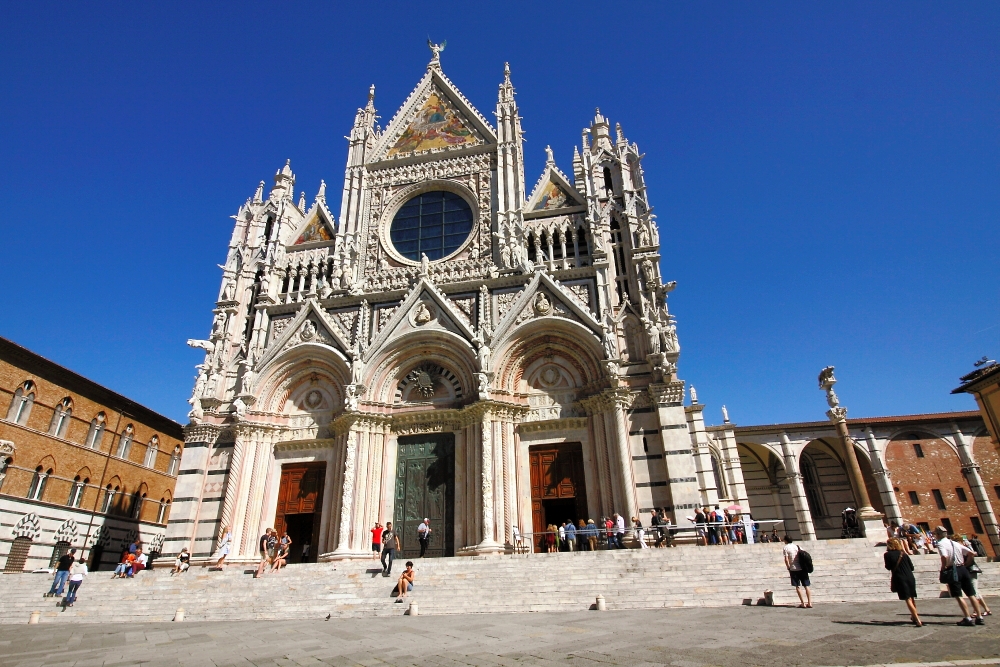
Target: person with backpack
{"x": 799, "y": 565}
{"x": 955, "y": 561}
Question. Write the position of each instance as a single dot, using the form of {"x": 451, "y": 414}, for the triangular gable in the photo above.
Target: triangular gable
{"x": 299, "y": 331}
{"x": 553, "y": 192}
{"x": 317, "y": 227}
{"x": 561, "y": 303}
{"x": 435, "y": 117}
{"x": 443, "y": 314}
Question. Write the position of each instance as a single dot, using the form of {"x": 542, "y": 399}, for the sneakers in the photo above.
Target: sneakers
{"x": 979, "y": 620}
{"x": 966, "y": 621}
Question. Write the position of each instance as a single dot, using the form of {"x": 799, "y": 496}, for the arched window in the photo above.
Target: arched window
{"x": 20, "y": 405}
{"x": 621, "y": 267}
{"x": 37, "y": 488}
{"x": 136, "y": 509}
{"x": 60, "y": 550}
{"x": 125, "y": 444}
{"x": 161, "y": 517}
{"x": 96, "y": 433}
{"x": 810, "y": 480}
{"x": 609, "y": 185}
{"x": 175, "y": 461}
{"x": 76, "y": 493}
{"x": 18, "y": 555}
{"x": 60, "y": 418}
{"x": 151, "y": 451}
{"x": 109, "y": 499}
{"x": 720, "y": 483}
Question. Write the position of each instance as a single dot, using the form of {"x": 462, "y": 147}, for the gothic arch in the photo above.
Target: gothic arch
{"x": 387, "y": 372}
{"x": 911, "y": 433}
{"x": 547, "y": 337}
{"x": 286, "y": 372}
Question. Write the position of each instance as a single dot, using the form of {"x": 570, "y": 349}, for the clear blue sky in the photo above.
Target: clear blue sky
{"x": 826, "y": 175}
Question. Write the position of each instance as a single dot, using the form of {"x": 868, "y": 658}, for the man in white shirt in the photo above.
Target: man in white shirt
{"x": 620, "y": 531}
{"x": 800, "y": 578}
{"x": 956, "y": 575}
{"x": 424, "y": 535}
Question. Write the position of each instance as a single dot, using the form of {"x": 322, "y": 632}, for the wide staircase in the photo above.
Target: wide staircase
{"x": 846, "y": 571}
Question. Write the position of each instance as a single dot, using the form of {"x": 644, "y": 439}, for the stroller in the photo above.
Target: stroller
{"x": 849, "y": 523}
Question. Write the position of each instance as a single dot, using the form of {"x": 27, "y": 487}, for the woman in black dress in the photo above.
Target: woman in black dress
{"x": 902, "y": 583}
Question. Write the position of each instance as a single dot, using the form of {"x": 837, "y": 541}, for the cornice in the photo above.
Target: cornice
{"x": 570, "y": 423}
{"x": 298, "y": 445}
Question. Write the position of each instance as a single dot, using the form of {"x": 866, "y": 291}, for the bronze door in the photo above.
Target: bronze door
{"x": 425, "y": 488}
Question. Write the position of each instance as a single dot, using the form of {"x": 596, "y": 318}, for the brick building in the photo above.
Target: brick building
{"x": 80, "y": 465}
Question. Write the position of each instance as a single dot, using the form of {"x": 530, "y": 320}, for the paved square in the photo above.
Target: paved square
{"x": 843, "y": 634}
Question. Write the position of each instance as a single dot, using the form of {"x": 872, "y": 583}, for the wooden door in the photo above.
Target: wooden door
{"x": 425, "y": 488}
{"x": 300, "y": 492}
{"x": 557, "y": 473}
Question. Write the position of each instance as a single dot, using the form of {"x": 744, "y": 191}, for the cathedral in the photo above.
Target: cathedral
{"x": 456, "y": 344}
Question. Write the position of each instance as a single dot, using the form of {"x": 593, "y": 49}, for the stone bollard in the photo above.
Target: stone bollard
{"x": 413, "y": 610}
{"x": 600, "y": 603}
{"x": 33, "y": 619}
{"x": 179, "y": 614}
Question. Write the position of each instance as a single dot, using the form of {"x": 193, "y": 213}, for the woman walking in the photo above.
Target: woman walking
{"x": 224, "y": 545}
{"x": 902, "y": 582}
{"x": 640, "y": 532}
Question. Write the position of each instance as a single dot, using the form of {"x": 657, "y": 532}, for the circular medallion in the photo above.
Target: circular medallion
{"x": 313, "y": 399}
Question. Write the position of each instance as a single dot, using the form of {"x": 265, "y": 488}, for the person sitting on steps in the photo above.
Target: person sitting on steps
{"x": 405, "y": 583}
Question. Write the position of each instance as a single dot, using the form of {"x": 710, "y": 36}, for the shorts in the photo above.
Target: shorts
{"x": 799, "y": 578}
{"x": 963, "y": 585}
{"x": 376, "y": 547}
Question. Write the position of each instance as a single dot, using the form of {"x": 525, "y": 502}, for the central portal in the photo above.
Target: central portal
{"x": 425, "y": 488}
{"x": 558, "y": 488}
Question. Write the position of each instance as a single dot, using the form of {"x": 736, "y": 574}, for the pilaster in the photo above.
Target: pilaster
{"x": 797, "y": 489}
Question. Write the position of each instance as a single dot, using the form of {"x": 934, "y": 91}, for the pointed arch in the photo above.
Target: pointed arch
{"x": 96, "y": 432}
{"x": 61, "y": 417}
{"x": 21, "y": 403}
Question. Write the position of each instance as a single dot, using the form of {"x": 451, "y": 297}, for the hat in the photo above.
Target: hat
{"x": 426, "y": 519}
{"x": 940, "y": 531}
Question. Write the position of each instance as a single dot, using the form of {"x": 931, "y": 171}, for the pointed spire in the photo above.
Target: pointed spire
{"x": 321, "y": 195}
{"x": 284, "y": 183}
{"x": 259, "y": 195}
{"x": 506, "y": 88}
{"x": 586, "y": 138}
{"x": 619, "y": 135}
{"x": 371, "y": 99}
{"x": 598, "y": 118}
{"x": 302, "y": 201}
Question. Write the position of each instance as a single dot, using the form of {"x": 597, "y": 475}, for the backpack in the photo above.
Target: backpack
{"x": 805, "y": 561}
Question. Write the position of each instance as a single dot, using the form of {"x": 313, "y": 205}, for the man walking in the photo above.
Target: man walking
{"x": 424, "y": 535}
{"x": 956, "y": 575}
{"x": 266, "y": 543}
{"x": 390, "y": 542}
{"x": 570, "y": 535}
{"x": 800, "y": 578}
{"x": 62, "y": 574}
{"x": 377, "y": 540}
{"x": 619, "y": 531}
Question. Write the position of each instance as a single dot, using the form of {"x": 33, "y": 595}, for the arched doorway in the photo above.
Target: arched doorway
{"x": 767, "y": 490}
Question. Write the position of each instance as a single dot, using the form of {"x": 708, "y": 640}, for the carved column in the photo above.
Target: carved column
{"x": 732, "y": 468}
{"x": 232, "y": 484}
{"x": 619, "y": 400}
{"x": 347, "y": 495}
{"x": 971, "y": 471}
{"x": 488, "y": 543}
{"x": 797, "y": 489}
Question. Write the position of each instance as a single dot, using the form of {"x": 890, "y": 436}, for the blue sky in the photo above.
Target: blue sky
{"x": 826, "y": 176}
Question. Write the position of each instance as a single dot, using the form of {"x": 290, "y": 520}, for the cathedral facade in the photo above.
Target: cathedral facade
{"x": 454, "y": 345}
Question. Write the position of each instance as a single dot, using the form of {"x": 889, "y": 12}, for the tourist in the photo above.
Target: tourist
{"x": 135, "y": 546}
{"x": 264, "y": 546}
{"x": 974, "y": 572}
{"x": 405, "y": 583}
{"x": 390, "y": 542}
{"x": 701, "y": 529}
{"x": 654, "y": 527}
{"x": 141, "y": 560}
{"x": 902, "y": 582}
{"x": 281, "y": 556}
{"x": 182, "y": 562}
{"x": 225, "y": 544}
{"x": 376, "y": 540}
{"x": 562, "y": 536}
{"x": 592, "y": 534}
{"x": 800, "y": 578}
{"x": 955, "y": 574}
{"x": 305, "y": 551}
{"x": 668, "y": 529}
{"x": 549, "y": 539}
{"x": 978, "y": 547}
{"x": 76, "y": 577}
{"x": 62, "y": 574}
{"x": 424, "y": 535}
{"x": 619, "y": 531}
{"x": 640, "y": 532}
{"x": 609, "y": 529}
{"x": 125, "y": 566}
{"x": 774, "y": 534}
{"x": 570, "y": 532}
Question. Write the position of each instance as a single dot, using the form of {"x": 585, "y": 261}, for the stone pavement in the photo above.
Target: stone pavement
{"x": 833, "y": 634}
